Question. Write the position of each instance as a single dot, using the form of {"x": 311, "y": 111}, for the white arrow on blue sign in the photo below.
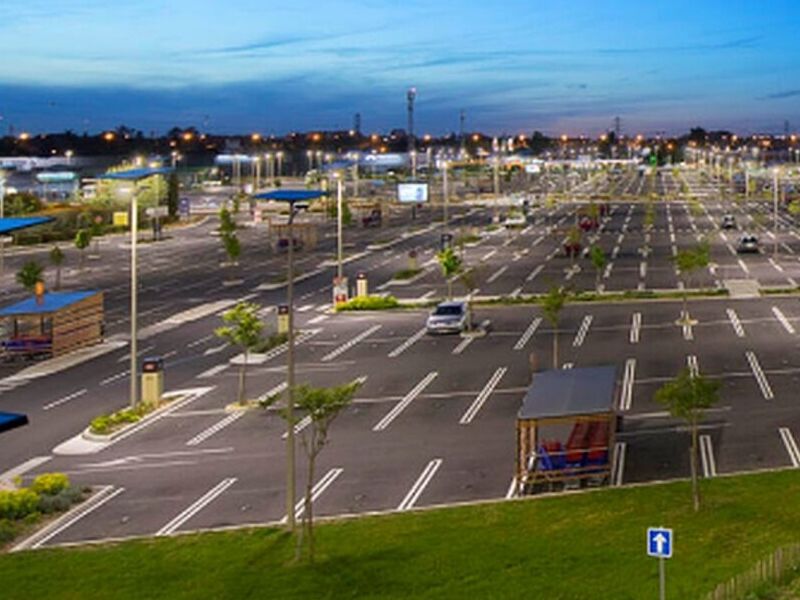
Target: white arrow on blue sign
{"x": 659, "y": 542}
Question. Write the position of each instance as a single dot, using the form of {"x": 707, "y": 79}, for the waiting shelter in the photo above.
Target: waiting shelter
{"x": 52, "y": 324}
{"x": 566, "y": 428}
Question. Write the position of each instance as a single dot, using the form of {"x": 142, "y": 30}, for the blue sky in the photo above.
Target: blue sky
{"x": 268, "y": 66}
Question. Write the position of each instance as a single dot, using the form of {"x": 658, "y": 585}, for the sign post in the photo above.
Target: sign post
{"x": 283, "y": 319}
{"x": 659, "y": 545}
{"x": 340, "y": 291}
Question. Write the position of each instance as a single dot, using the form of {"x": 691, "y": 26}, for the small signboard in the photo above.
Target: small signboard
{"x": 283, "y": 319}
{"x": 412, "y": 192}
{"x": 340, "y": 290}
{"x": 446, "y": 241}
{"x": 120, "y": 219}
{"x": 184, "y": 207}
{"x": 157, "y": 211}
{"x": 659, "y": 542}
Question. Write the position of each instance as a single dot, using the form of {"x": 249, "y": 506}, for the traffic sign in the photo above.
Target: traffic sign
{"x": 659, "y": 542}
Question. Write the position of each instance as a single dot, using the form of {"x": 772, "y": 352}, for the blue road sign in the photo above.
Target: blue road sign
{"x": 659, "y": 542}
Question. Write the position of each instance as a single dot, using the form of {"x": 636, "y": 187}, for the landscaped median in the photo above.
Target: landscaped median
{"x": 577, "y": 545}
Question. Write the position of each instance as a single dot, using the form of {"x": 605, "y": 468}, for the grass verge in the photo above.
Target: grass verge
{"x": 368, "y": 303}
{"x": 406, "y": 274}
{"x": 587, "y": 545}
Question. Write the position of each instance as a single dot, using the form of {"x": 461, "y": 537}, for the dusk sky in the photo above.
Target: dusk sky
{"x": 272, "y": 67}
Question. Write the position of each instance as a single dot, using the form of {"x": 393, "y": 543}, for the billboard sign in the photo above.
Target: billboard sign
{"x": 412, "y": 192}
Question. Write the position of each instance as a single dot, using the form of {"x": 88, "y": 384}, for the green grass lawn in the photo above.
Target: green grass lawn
{"x": 581, "y": 546}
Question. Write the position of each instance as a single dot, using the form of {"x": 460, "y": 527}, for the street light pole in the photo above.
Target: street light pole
{"x": 291, "y": 483}
{"x": 445, "y": 192}
{"x": 775, "y": 210}
{"x": 339, "y": 225}
{"x": 134, "y": 297}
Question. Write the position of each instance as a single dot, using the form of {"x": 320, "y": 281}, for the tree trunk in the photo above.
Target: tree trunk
{"x": 555, "y": 347}
{"x": 58, "y": 278}
{"x": 693, "y": 459}
{"x": 242, "y": 379}
{"x": 449, "y": 289}
{"x": 309, "y": 512}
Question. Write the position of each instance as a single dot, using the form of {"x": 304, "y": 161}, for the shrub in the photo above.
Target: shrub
{"x": 369, "y": 303}
{"x": 107, "y": 423}
{"x": 18, "y": 504}
{"x": 8, "y": 531}
{"x": 273, "y": 341}
{"x": 61, "y": 501}
{"x": 50, "y": 483}
{"x": 407, "y": 274}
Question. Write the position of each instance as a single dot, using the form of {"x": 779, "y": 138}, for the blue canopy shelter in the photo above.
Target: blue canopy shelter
{"x": 9, "y": 421}
{"x": 12, "y": 224}
{"x": 303, "y": 235}
{"x": 135, "y": 174}
{"x": 291, "y": 196}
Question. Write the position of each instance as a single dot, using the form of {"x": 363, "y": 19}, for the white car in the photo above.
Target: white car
{"x": 515, "y": 220}
{"x": 448, "y": 317}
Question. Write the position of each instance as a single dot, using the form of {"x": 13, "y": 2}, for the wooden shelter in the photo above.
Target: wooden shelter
{"x": 566, "y": 428}
{"x": 53, "y": 324}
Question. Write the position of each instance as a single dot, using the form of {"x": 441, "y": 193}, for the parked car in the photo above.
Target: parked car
{"x": 587, "y": 223}
{"x": 515, "y": 220}
{"x": 728, "y": 222}
{"x": 748, "y": 243}
{"x": 448, "y": 317}
{"x": 373, "y": 219}
{"x": 572, "y": 249}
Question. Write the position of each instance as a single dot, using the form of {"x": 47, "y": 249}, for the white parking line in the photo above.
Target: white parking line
{"x": 783, "y": 320}
{"x": 196, "y": 506}
{"x": 761, "y": 379}
{"x": 114, "y": 378}
{"x": 512, "y": 489}
{"x": 607, "y": 272}
{"x": 488, "y": 255}
{"x": 582, "y": 331}
{"x": 408, "y": 343}
{"x": 318, "y": 319}
{"x": 534, "y": 273}
{"x": 103, "y": 496}
{"x": 346, "y": 346}
{"x": 463, "y": 345}
{"x": 528, "y": 333}
{"x": 691, "y": 363}
{"x": 791, "y": 446}
{"x": 735, "y": 322}
{"x": 200, "y": 341}
{"x": 496, "y": 274}
{"x": 688, "y": 334}
{"x": 775, "y": 265}
{"x": 420, "y": 484}
{"x": 322, "y": 485}
{"x": 65, "y": 399}
{"x": 217, "y": 427}
{"x": 627, "y": 384}
{"x": 484, "y": 394}
{"x": 743, "y": 266}
{"x": 707, "y": 461}
{"x": 636, "y": 326}
{"x": 618, "y": 463}
{"x": 213, "y": 371}
{"x": 407, "y": 399}
{"x": 642, "y": 270}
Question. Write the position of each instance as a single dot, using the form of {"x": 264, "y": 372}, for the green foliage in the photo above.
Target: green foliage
{"x": 22, "y": 203}
{"x": 553, "y": 302}
{"x": 18, "y": 504}
{"x": 233, "y": 248}
{"x": 407, "y": 274}
{"x": 598, "y": 257}
{"x": 30, "y": 274}
{"x": 273, "y": 341}
{"x": 227, "y": 230}
{"x": 50, "y": 483}
{"x": 56, "y": 256}
{"x": 243, "y": 327}
{"x": 368, "y": 303}
{"x": 687, "y": 396}
{"x": 794, "y": 208}
{"x": 82, "y": 239}
{"x": 105, "y": 424}
{"x": 347, "y": 215}
{"x": 692, "y": 259}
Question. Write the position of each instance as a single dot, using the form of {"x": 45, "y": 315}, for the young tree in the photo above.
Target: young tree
{"x": 30, "y": 274}
{"x": 574, "y": 244}
{"x": 451, "y": 265}
{"x": 794, "y": 210}
{"x": 599, "y": 260}
{"x": 227, "y": 230}
{"x": 469, "y": 279}
{"x": 242, "y": 328}
{"x": 552, "y": 304}
{"x": 320, "y": 406}
{"x": 688, "y": 262}
{"x": 57, "y": 259}
{"x": 173, "y": 193}
{"x": 686, "y": 397}
{"x": 82, "y": 241}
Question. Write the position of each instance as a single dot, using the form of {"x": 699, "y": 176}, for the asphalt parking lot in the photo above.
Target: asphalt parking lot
{"x": 434, "y": 420}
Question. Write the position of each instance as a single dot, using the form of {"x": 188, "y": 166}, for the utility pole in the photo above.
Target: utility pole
{"x": 775, "y": 210}
{"x": 411, "y": 95}
{"x": 496, "y": 150}
{"x": 461, "y": 139}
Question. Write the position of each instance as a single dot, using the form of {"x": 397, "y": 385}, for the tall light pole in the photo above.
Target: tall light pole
{"x": 496, "y": 148}
{"x": 775, "y": 210}
{"x": 338, "y": 176}
{"x": 2, "y": 238}
{"x": 445, "y": 192}
{"x": 411, "y": 95}
{"x": 291, "y": 483}
{"x": 134, "y": 399}
{"x": 279, "y": 156}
